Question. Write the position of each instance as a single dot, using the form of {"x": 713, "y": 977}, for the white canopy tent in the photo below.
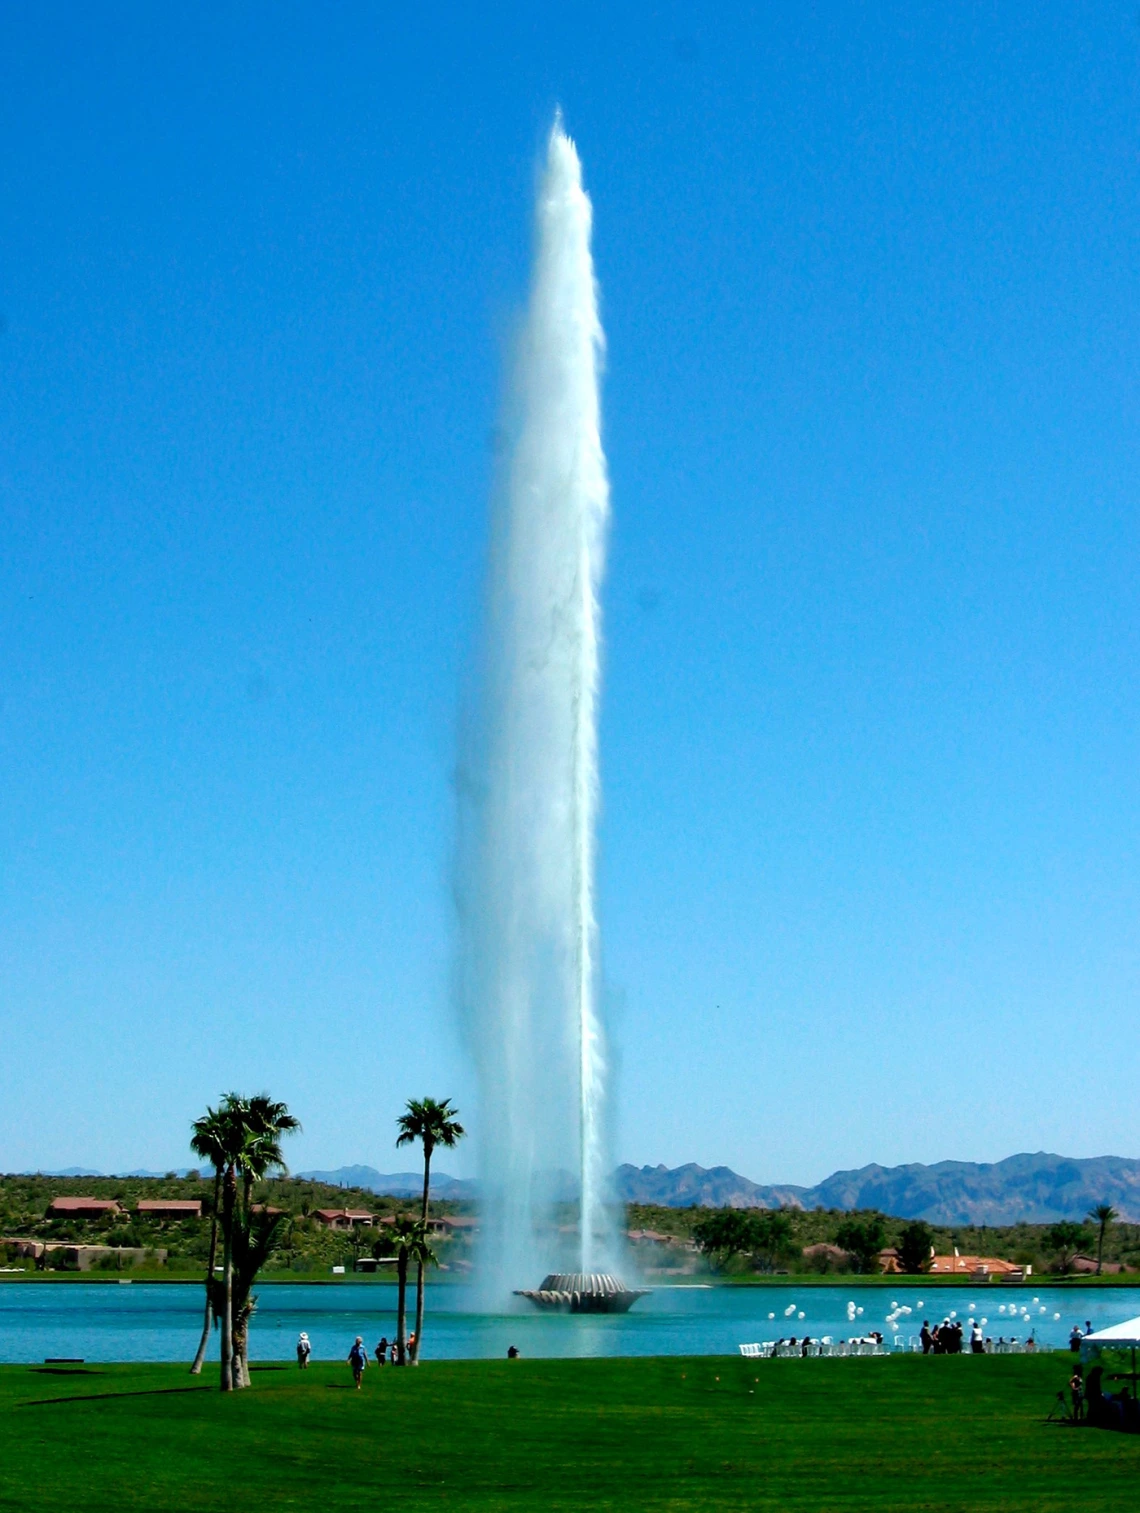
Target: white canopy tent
{"x": 1116, "y": 1336}
{"x": 1125, "y": 1336}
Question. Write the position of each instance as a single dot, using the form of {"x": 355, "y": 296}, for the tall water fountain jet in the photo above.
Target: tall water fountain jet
{"x": 529, "y": 778}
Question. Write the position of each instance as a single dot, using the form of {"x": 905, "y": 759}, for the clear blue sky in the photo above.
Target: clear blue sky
{"x": 871, "y": 757}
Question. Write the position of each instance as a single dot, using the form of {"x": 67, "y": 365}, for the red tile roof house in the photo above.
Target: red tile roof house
{"x": 344, "y": 1218}
{"x": 979, "y": 1268}
{"x": 1086, "y": 1266}
{"x": 82, "y": 1208}
{"x": 169, "y": 1208}
{"x": 452, "y": 1224}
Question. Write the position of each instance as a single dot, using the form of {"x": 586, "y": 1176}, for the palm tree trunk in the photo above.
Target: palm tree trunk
{"x": 1100, "y": 1248}
{"x": 402, "y": 1306}
{"x": 420, "y": 1264}
{"x": 230, "y": 1194}
{"x": 241, "y": 1353}
{"x": 207, "y": 1325}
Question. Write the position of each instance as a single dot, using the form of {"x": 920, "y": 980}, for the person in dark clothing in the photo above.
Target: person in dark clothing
{"x": 358, "y": 1359}
{"x": 381, "y": 1351}
{"x": 1077, "y": 1392}
{"x": 925, "y": 1337}
{"x": 512, "y": 1352}
{"x": 1094, "y": 1396}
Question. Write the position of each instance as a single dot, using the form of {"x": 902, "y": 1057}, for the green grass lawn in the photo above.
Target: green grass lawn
{"x": 676, "y": 1433}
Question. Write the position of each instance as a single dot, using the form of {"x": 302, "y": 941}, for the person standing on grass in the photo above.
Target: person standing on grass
{"x": 1077, "y": 1391}
{"x": 304, "y": 1350}
{"x": 358, "y": 1359}
{"x": 382, "y": 1350}
{"x": 925, "y": 1337}
{"x": 977, "y": 1343}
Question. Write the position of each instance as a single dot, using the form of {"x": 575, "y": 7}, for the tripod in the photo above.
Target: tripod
{"x": 1060, "y": 1413}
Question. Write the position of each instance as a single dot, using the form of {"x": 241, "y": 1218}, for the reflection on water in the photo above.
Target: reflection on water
{"x": 161, "y": 1322}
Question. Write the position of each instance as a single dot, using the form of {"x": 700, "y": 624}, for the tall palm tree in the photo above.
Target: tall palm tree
{"x": 263, "y": 1122}
{"x": 431, "y": 1123}
{"x": 1103, "y": 1215}
{"x": 207, "y": 1141}
{"x": 244, "y": 1140}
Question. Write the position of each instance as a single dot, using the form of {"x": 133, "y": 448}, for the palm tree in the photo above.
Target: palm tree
{"x": 410, "y": 1237}
{"x": 256, "y": 1236}
{"x": 267, "y": 1120}
{"x": 207, "y": 1141}
{"x": 1103, "y": 1215}
{"x": 263, "y": 1121}
{"x": 432, "y": 1123}
{"x": 243, "y": 1136}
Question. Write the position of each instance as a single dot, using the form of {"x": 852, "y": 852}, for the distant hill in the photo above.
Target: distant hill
{"x": 1029, "y": 1189}
{"x": 87, "y": 1171}
{"x": 1023, "y": 1189}
{"x": 704, "y": 1187}
{"x": 393, "y": 1184}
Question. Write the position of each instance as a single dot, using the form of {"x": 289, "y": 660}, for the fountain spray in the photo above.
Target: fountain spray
{"x": 529, "y": 790}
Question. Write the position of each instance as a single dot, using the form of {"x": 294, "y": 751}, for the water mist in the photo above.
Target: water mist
{"x": 529, "y": 780}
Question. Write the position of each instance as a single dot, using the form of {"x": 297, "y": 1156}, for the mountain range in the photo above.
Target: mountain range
{"x": 393, "y": 1184}
{"x": 1023, "y": 1189}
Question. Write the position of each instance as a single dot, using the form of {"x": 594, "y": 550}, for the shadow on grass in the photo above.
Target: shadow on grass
{"x": 67, "y": 1371}
{"x": 102, "y": 1397}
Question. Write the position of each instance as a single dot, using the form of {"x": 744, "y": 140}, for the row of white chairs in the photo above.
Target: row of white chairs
{"x": 779, "y": 1349}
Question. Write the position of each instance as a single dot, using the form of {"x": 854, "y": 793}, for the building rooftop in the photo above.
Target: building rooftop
{"x": 69, "y": 1205}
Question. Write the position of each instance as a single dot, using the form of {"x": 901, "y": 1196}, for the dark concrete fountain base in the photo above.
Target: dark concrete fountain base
{"x": 584, "y": 1292}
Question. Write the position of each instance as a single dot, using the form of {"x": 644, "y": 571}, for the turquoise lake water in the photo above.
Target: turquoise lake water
{"x": 141, "y": 1322}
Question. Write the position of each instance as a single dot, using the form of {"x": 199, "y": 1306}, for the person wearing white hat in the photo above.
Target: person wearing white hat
{"x": 304, "y": 1350}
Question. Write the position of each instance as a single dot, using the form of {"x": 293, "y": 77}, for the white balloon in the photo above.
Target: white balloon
{"x": 1056, "y": 1315}
{"x": 771, "y": 1315}
{"x": 799, "y": 1315}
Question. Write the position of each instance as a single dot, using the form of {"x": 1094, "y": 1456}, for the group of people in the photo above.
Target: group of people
{"x": 358, "y": 1356}
{"x": 1107, "y": 1410}
{"x": 1076, "y": 1335}
{"x": 385, "y": 1350}
{"x": 948, "y": 1338}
